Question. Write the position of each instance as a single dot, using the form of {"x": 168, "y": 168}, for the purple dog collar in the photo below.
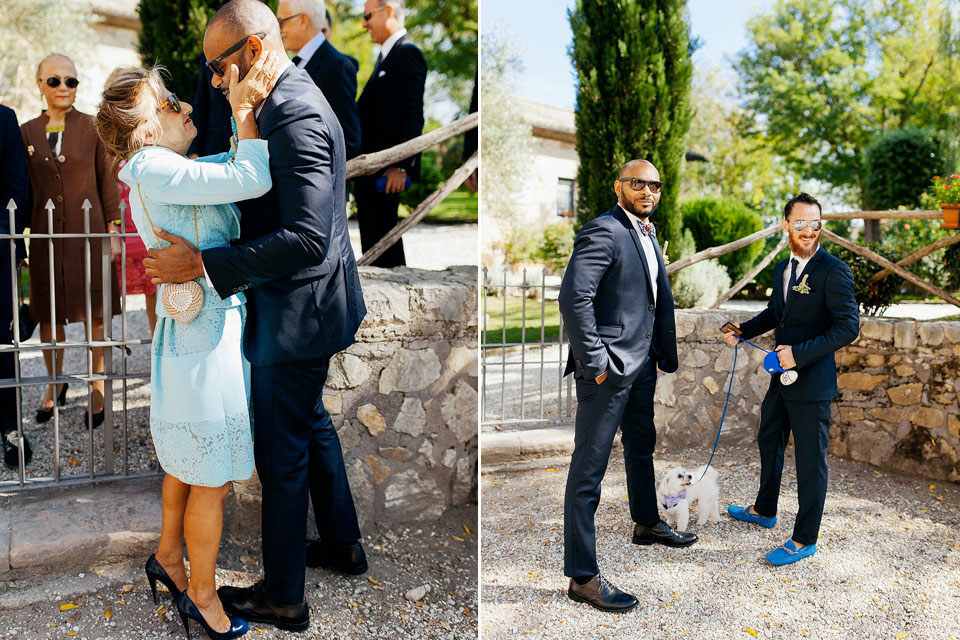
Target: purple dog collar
{"x": 669, "y": 502}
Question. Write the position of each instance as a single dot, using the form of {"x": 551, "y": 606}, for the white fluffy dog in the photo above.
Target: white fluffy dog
{"x": 680, "y": 488}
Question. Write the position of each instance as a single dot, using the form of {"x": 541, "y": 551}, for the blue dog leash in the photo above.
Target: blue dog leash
{"x": 726, "y": 401}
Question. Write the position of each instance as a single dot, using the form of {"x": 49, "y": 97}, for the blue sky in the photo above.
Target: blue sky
{"x": 541, "y": 30}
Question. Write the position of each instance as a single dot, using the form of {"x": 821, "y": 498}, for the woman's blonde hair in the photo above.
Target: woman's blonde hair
{"x": 127, "y": 114}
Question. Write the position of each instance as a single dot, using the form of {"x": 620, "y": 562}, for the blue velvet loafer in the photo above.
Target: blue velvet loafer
{"x": 789, "y": 553}
{"x": 743, "y": 513}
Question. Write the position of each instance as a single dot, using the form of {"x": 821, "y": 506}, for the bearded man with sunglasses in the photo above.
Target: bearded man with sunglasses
{"x": 618, "y": 309}
{"x": 814, "y": 313}
{"x": 304, "y": 304}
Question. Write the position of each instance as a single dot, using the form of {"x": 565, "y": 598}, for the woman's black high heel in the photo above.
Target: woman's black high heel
{"x": 156, "y": 572}
{"x": 45, "y": 413}
{"x": 188, "y": 610}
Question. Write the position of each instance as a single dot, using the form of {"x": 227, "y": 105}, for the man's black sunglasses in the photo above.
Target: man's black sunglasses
{"x": 214, "y": 64}
{"x": 637, "y": 184}
{"x": 54, "y": 82}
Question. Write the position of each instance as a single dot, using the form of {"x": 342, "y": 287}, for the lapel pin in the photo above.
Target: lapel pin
{"x": 61, "y": 158}
{"x": 30, "y": 149}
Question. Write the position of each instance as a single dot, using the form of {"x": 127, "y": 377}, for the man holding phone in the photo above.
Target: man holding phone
{"x": 618, "y": 310}
{"x": 814, "y": 313}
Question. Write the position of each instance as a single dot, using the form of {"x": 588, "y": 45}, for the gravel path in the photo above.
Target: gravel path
{"x": 888, "y": 563}
{"x": 433, "y": 246}
{"x": 439, "y": 557}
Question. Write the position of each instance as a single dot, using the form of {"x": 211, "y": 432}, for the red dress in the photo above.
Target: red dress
{"x": 137, "y": 280}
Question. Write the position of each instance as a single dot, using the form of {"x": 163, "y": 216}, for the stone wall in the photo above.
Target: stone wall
{"x": 897, "y": 407}
{"x": 403, "y": 399}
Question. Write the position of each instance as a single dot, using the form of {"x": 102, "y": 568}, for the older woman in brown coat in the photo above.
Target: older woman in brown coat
{"x": 68, "y": 164}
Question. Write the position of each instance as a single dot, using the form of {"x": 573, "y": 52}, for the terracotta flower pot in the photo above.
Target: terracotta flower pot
{"x": 951, "y": 216}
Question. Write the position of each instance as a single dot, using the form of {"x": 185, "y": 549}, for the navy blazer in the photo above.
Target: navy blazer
{"x": 14, "y": 183}
{"x": 607, "y": 304}
{"x": 815, "y": 324}
{"x": 391, "y": 105}
{"x": 294, "y": 249}
{"x": 336, "y": 76}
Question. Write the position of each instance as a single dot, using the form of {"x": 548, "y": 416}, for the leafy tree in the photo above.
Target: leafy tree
{"x": 447, "y": 33}
{"x": 717, "y": 221}
{"x": 632, "y": 59}
{"x": 504, "y": 141}
{"x": 827, "y": 78}
{"x": 899, "y": 166}
{"x": 31, "y": 29}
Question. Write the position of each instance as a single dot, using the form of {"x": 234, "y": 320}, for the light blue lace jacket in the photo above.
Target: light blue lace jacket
{"x": 171, "y": 185}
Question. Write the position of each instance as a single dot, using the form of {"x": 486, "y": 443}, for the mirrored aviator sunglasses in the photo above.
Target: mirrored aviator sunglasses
{"x": 54, "y": 82}
{"x": 172, "y": 103}
{"x": 815, "y": 225}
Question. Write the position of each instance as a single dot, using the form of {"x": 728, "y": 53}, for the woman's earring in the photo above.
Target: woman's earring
{"x": 43, "y": 102}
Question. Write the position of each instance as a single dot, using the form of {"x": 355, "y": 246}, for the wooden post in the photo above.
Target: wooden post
{"x": 760, "y": 266}
{"x": 445, "y": 189}
{"x": 883, "y": 262}
{"x": 713, "y": 252}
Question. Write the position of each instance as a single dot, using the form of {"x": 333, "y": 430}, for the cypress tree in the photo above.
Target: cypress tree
{"x": 172, "y": 36}
{"x": 634, "y": 68}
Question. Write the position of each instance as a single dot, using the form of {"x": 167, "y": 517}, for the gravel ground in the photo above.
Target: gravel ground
{"x": 440, "y": 557}
{"x": 888, "y": 563}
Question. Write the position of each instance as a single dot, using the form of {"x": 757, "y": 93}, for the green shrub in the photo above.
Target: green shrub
{"x": 700, "y": 284}
{"x": 717, "y": 221}
{"x": 901, "y": 238}
{"x": 899, "y": 166}
{"x": 875, "y": 298}
{"x": 556, "y": 245}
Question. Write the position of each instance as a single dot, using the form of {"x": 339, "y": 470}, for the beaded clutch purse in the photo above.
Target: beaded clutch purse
{"x": 182, "y": 300}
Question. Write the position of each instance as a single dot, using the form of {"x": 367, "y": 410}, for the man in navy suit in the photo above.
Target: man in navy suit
{"x": 617, "y": 306}
{"x": 304, "y": 304}
{"x": 813, "y": 312}
{"x": 14, "y": 185}
{"x": 301, "y": 23}
{"x": 391, "y": 112}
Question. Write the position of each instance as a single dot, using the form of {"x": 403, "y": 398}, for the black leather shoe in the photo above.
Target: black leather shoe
{"x": 254, "y": 605}
{"x": 661, "y": 533}
{"x": 11, "y": 450}
{"x": 602, "y": 595}
{"x": 347, "y": 558}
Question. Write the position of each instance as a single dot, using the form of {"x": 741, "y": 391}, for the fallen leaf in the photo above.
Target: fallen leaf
{"x": 457, "y": 538}
{"x": 127, "y": 588}
{"x": 750, "y": 631}
{"x": 900, "y": 635}
{"x": 372, "y": 581}
{"x": 67, "y": 606}
{"x": 71, "y": 633}
{"x": 551, "y": 469}
{"x": 467, "y": 530}
{"x": 351, "y": 604}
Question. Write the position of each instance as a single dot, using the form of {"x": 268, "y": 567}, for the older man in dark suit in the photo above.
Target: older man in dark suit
{"x": 14, "y": 186}
{"x": 391, "y": 112}
{"x": 304, "y": 304}
{"x": 814, "y": 312}
{"x": 301, "y": 24}
{"x": 617, "y": 306}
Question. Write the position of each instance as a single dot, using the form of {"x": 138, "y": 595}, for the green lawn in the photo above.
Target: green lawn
{"x": 494, "y": 309}
{"x": 457, "y": 208}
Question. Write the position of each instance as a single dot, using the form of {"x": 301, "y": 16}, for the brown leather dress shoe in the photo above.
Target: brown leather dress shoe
{"x": 346, "y": 558}
{"x": 254, "y": 605}
{"x": 661, "y": 533}
{"x": 600, "y": 594}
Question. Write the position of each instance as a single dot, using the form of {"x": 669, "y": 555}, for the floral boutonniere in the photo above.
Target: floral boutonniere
{"x": 802, "y": 288}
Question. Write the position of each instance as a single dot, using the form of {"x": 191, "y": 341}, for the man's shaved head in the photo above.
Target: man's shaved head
{"x": 632, "y": 163}
{"x": 239, "y": 18}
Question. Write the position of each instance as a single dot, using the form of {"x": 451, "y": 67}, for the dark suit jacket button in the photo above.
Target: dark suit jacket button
{"x": 652, "y": 307}
{"x": 648, "y": 334}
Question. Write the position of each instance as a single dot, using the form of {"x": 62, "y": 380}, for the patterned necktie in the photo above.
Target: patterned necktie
{"x": 793, "y": 278}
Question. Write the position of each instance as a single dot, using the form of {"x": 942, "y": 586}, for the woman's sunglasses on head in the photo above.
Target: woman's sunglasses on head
{"x": 171, "y": 103}
{"x": 54, "y": 82}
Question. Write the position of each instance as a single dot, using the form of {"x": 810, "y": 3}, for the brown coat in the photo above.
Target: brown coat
{"x": 85, "y": 173}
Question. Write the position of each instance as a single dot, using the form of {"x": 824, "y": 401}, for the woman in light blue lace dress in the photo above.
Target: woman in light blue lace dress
{"x": 199, "y": 402}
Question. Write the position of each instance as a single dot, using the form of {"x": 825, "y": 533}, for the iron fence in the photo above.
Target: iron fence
{"x": 114, "y": 462}
{"x": 522, "y": 382}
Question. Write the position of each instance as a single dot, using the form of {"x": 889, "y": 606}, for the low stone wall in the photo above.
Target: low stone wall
{"x": 403, "y": 399}
{"x": 897, "y": 407}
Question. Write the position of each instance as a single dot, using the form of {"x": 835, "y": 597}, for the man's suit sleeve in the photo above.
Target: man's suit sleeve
{"x": 342, "y": 96}
{"x": 593, "y": 252}
{"x": 842, "y": 305}
{"x": 304, "y": 183}
{"x": 14, "y": 180}
{"x": 410, "y": 77}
